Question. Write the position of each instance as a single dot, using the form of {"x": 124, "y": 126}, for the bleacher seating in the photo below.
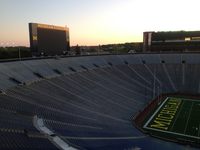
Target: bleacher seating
{"x": 89, "y": 101}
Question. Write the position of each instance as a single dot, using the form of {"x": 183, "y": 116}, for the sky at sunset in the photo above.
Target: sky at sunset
{"x": 94, "y": 22}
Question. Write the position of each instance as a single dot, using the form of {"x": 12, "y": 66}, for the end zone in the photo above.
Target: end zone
{"x": 168, "y": 115}
{"x": 163, "y": 117}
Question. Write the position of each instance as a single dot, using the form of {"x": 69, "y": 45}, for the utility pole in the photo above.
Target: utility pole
{"x": 19, "y": 54}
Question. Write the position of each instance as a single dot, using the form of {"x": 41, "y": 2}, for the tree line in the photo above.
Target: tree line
{"x": 14, "y": 52}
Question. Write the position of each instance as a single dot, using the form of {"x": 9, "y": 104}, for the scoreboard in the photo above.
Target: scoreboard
{"x": 49, "y": 40}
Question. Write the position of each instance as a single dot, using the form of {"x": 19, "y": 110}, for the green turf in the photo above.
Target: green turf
{"x": 176, "y": 117}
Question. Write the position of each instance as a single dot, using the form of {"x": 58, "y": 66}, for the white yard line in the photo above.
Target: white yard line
{"x": 199, "y": 131}
{"x": 186, "y": 99}
{"x": 188, "y": 118}
{"x": 146, "y": 124}
{"x": 177, "y": 115}
{"x": 174, "y": 133}
{"x": 106, "y": 138}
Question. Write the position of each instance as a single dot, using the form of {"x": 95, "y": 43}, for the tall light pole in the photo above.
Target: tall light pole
{"x": 19, "y": 54}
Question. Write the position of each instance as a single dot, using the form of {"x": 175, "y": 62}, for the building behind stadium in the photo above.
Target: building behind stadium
{"x": 48, "y": 40}
{"x": 171, "y": 41}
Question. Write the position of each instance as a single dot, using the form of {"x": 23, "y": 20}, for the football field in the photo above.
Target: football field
{"x": 176, "y": 117}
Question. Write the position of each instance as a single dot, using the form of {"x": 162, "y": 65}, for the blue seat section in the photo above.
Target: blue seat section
{"x": 171, "y": 58}
{"x": 41, "y": 67}
{"x": 151, "y": 58}
{"x": 96, "y": 60}
{"x": 161, "y": 77}
{"x": 15, "y": 131}
{"x": 19, "y": 70}
{"x": 10, "y": 120}
{"x": 131, "y": 59}
{"x": 146, "y": 143}
{"x": 16, "y": 141}
{"x": 89, "y": 101}
{"x": 191, "y": 59}
{"x": 113, "y": 60}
